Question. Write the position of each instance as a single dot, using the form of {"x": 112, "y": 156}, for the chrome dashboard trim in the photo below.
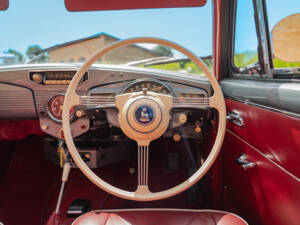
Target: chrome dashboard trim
{"x": 131, "y": 83}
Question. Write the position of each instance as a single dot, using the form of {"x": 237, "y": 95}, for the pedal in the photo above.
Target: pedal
{"x": 78, "y": 207}
{"x": 192, "y": 192}
{"x": 172, "y": 163}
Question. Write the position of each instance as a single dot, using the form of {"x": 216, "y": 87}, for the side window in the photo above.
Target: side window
{"x": 245, "y": 43}
{"x": 284, "y": 28}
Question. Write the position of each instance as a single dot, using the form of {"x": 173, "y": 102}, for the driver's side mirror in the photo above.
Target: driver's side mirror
{"x": 3, "y": 5}
{"x": 286, "y": 39}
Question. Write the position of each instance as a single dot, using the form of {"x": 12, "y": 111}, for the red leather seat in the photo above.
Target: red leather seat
{"x": 159, "y": 217}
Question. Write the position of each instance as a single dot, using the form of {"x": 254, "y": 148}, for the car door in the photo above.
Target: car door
{"x": 260, "y": 155}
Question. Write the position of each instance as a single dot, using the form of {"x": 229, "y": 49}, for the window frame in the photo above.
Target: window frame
{"x": 267, "y": 67}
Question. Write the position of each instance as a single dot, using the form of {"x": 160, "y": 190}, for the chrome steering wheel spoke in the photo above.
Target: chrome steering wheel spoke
{"x": 143, "y": 165}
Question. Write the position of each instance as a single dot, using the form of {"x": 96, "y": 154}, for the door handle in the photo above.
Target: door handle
{"x": 235, "y": 118}
{"x": 243, "y": 161}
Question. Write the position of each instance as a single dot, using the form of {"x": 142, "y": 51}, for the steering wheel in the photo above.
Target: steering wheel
{"x": 144, "y": 116}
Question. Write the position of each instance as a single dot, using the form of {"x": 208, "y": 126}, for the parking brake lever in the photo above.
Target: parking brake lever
{"x": 55, "y": 217}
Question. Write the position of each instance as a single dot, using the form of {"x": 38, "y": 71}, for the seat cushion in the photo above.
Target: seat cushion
{"x": 159, "y": 217}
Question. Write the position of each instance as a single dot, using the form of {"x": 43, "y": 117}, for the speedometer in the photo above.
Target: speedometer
{"x": 151, "y": 85}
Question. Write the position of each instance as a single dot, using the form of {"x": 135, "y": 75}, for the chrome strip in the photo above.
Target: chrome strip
{"x": 245, "y": 101}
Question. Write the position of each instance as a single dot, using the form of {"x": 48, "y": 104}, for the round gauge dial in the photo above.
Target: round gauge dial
{"x": 151, "y": 85}
{"x": 55, "y": 106}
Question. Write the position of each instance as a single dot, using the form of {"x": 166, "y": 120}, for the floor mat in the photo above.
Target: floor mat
{"x": 29, "y": 190}
{"x": 25, "y": 184}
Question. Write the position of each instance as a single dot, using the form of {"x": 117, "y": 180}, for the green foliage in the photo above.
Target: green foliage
{"x": 281, "y": 64}
{"x": 189, "y": 67}
{"x": 163, "y": 51}
{"x": 35, "y": 50}
{"x": 16, "y": 53}
{"x": 245, "y": 58}
{"x": 169, "y": 66}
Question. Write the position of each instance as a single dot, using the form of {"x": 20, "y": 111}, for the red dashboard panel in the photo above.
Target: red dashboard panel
{"x": 18, "y": 129}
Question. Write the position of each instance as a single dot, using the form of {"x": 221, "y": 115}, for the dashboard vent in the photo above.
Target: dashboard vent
{"x": 54, "y": 77}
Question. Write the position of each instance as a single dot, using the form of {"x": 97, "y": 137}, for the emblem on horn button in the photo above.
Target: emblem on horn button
{"x": 144, "y": 114}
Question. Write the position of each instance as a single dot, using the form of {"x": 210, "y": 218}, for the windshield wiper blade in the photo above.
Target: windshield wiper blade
{"x": 145, "y": 61}
{"x": 36, "y": 58}
{"x": 173, "y": 60}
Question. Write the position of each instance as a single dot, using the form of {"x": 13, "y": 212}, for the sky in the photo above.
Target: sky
{"x": 47, "y": 23}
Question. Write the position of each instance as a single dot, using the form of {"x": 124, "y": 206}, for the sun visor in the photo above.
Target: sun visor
{"x": 3, "y": 5}
{"x": 101, "y": 5}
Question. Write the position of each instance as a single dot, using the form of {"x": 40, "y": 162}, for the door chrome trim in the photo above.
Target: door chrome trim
{"x": 287, "y": 113}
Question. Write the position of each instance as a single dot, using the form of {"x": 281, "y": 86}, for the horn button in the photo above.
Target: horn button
{"x": 144, "y": 117}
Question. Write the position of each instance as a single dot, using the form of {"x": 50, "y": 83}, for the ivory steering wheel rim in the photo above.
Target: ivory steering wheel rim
{"x": 143, "y": 194}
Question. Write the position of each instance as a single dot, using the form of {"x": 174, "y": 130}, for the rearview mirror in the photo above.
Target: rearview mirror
{"x": 286, "y": 38}
{"x": 100, "y": 5}
{"x": 3, "y": 5}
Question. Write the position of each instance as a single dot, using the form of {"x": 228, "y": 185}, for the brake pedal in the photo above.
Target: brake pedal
{"x": 78, "y": 207}
{"x": 172, "y": 163}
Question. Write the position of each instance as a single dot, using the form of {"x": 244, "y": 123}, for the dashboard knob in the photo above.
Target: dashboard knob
{"x": 176, "y": 137}
{"x": 44, "y": 127}
{"x": 182, "y": 118}
{"x": 198, "y": 129}
{"x": 79, "y": 114}
{"x": 37, "y": 78}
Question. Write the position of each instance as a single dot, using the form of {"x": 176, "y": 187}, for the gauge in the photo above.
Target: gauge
{"x": 151, "y": 85}
{"x": 55, "y": 106}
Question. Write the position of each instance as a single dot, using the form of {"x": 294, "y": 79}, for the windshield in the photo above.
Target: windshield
{"x": 45, "y": 32}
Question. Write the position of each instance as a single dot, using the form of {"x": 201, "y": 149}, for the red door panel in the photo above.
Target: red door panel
{"x": 238, "y": 192}
{"x": 269, "y": 192}
{"x": 275, "y": 134}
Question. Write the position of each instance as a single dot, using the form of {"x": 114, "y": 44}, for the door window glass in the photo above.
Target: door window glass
{"x": 245, "y": 46}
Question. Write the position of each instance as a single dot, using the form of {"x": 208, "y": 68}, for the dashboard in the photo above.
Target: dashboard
{"x": 37, "y": 92}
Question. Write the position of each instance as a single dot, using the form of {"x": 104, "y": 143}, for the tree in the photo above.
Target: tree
{"x": 35, "y": 50}
{"x": 163, "y": 50}
{"x": 16, "y": 53}
{"x": 245, "y": 58}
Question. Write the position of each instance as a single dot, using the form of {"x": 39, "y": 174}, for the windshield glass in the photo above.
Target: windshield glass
{"x": 30, "y": 28}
